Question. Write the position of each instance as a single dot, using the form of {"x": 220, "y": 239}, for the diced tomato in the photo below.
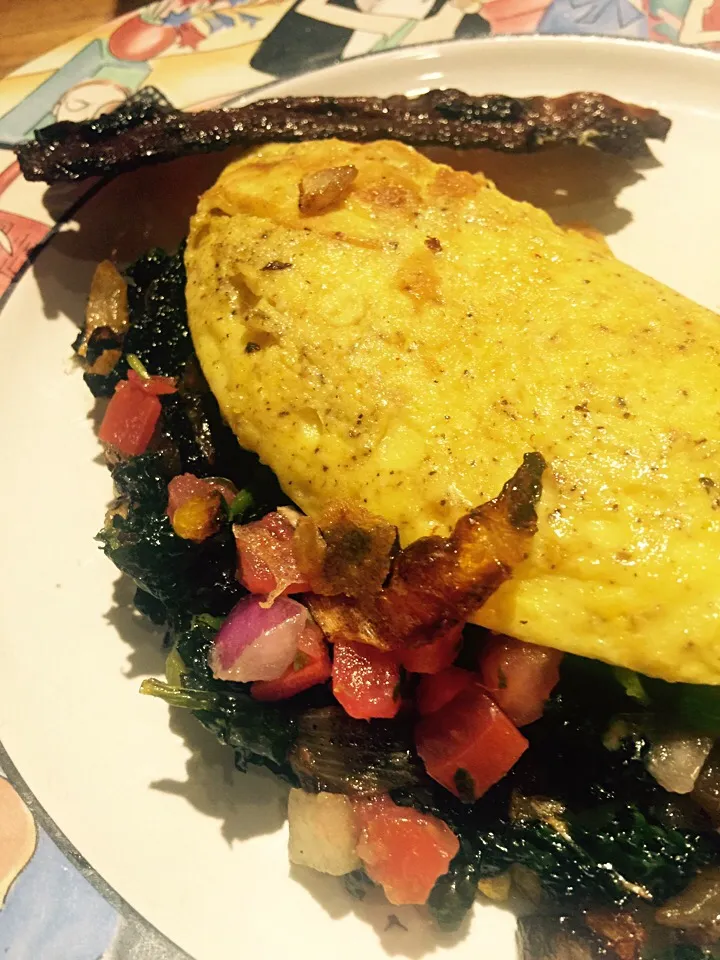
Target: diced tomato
{"x": 437, "y": 689}
{"x": 519, "y": 676}
{"x": 435, "y": 656}
{"x": 365, "y": 681}
{"x": 130, "y": 419}
{"x": 403, "y": 850}
{"x": 312, "y": 665}
{"x": 469, "y": 744}
{"x": 267, "y": 563}
{"x": 133, "y": 412}
{"x": 157, "y": 386}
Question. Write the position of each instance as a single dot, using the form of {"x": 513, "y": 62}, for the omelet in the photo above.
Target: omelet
{"x": 407, "y": 343}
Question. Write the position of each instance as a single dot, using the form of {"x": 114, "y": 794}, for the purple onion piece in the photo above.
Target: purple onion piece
{"x": 257, "y": 642}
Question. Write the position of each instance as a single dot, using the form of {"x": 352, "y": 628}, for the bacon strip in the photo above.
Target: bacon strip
{"x": 146, "y": 129}
{"x": 438, "y": 581}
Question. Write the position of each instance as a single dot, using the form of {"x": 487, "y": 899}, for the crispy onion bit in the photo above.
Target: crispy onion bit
{"x": 325, "y": 188}
{"x": 107, "y": 306}
{"x": 349, "y": 551}
{"x": 437, "y": 581}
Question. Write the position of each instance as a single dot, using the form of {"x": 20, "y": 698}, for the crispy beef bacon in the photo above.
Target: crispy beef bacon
{"x": 147, "y": 129}
{"x": 438, "y": 581}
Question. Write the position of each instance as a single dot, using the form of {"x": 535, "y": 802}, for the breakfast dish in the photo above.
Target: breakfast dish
{"x": 471, "y": 614}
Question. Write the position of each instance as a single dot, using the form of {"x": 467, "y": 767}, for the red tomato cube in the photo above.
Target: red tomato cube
{"x": 469, "y": 744}
{"x": 130, "y": 419}
{"x": 267, "y": 563}
{"x": 435, "y": 656}
{"x": 366, "y": 681}
{"x": 403, "y": 850}
{"x": 437, "y": 689}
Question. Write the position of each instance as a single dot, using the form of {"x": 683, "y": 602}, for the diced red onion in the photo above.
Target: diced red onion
{"x": 675, "y": 761}
{"x": 258, "y": 642}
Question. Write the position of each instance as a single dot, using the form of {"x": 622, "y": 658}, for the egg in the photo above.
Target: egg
{"x": 405, "y": 342}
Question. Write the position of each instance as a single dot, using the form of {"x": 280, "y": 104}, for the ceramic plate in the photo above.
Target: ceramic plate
{"x": 144, "y": 796}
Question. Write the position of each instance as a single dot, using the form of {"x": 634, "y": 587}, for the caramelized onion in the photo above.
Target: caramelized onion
{"x": 622, "y": 932}
{"x": 697, "y": 906}
{"x": 706, "y": 792}
{"x": 107, "y": 306}
{"x": 325, "y": 188}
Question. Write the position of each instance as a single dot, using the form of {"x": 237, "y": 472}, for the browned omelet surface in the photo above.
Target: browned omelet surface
{"x": 406, "y": 348}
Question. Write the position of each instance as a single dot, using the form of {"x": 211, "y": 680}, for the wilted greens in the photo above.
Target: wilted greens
{"x": 605, "y": 839}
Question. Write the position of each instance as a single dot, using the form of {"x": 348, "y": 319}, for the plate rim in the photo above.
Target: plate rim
{"x": 420, "y": 51}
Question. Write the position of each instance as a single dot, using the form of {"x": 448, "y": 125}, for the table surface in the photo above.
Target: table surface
{"x": 32, "y": 27}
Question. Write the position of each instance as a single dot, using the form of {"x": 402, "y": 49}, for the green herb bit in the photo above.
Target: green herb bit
{"x": 240, "y": 505}
{"x": 137, "y": 365}
{"x": 465, "y": 785}
{"x": 632, "y": 685}
{"x": 174, "y": 668}
{"x": 179, "y": 696}
{"x": 207, "y": 620}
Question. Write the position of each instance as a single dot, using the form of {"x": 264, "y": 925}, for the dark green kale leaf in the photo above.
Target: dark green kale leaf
{"x": 185, "y": 577}
{"x": 608, "y": 856}
{"x": 686, "y": 951}
{"x": 259, "y": 733}
{"x": 159, "y": 334}
{"x": 454, "y": 893}
{"x": 693, "y": 707}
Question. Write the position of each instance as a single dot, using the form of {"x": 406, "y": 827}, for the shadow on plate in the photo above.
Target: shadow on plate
{"x": 132, "y": 213}
{"x": 246, "y": 804}
{"x": 402, "y": 931}
{"x": 146, "y": 656}
{"x": 573, "y": 184}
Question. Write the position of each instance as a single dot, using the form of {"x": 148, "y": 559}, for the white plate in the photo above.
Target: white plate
{"x": 197, "y": 849}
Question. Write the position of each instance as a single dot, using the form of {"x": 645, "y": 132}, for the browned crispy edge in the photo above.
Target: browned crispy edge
{"x": 438, "y": 581}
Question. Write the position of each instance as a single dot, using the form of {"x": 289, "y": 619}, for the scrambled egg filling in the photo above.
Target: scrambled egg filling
{"x": 407, "y": 344}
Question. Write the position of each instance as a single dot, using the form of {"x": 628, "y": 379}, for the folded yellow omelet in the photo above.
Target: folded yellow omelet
{"x": 408, "y": 345}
